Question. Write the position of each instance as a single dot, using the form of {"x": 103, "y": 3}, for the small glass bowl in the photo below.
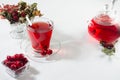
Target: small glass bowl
{"x": 19, "y": 72}
{"x": 18, "y": 30}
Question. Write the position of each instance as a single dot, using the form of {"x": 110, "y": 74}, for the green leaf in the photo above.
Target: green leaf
{"x": 22, "y": 5}
{"x": 34, "y": 5}
{"x": 109, "y": 52}
{"x": 9, "y": 16}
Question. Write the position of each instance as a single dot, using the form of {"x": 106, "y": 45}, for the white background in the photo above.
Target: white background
{"x": 80, "y": 57}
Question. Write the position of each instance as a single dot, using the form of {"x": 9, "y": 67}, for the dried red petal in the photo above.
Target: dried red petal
{"x": 15, "y": 18}
{"x": 23, "y": 14}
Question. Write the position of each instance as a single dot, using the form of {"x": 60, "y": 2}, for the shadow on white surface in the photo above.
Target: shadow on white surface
{"x": 70, "y": 48}
{"x": 30, "y": 75}
{"x": 84, "y": 48}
